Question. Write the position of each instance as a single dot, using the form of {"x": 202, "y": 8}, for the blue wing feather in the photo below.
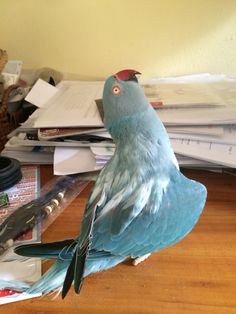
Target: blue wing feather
{"x": 162, "y": 219}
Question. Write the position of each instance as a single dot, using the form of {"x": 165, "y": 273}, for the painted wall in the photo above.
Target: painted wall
{"x": 91, "y": 39}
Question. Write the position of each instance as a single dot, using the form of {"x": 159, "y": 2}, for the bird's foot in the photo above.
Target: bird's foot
{"x": 140, "y": 259}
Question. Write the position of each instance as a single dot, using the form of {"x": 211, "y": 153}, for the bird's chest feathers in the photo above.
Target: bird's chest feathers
{"x": 138, "y": 150}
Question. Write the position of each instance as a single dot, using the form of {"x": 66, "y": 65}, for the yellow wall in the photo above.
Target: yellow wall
{"x": 91, "y": 39}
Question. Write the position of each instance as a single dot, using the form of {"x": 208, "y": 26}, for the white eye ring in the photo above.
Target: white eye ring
{"x": 116, "y": 90}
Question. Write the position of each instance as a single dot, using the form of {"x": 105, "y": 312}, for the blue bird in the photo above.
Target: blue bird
{"x": 140, "y": 203}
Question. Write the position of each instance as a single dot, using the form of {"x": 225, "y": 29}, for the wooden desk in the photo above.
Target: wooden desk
{"x": 197, "y": 275}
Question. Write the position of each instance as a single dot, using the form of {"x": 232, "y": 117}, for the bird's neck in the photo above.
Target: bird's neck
{"x": 142, "y": 139}
{"x": 130, "y": 129}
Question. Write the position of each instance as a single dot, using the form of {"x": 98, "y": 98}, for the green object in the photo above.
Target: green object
{"x": 4, "y": 200}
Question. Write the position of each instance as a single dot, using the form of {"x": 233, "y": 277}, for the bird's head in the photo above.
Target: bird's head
{"x": 122, "y": 96}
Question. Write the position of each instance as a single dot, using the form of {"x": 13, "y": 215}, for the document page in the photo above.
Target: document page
{"x": 73, "y": 106}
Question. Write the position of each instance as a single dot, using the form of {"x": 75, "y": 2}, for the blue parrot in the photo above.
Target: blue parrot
{"x": 140, "y": 203}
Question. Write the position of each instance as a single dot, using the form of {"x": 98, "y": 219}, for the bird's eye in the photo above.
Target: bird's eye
{"x": 116, "y": 90}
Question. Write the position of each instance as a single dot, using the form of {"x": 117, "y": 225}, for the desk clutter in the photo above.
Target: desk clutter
{"x": 140, "y": 189}
{"x": 66, "y": 129}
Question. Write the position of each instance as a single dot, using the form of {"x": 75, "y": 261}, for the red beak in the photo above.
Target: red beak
{"x": 126, "y": 75}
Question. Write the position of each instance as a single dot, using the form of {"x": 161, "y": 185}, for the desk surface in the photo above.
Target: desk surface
{"x": 197, "y": 275}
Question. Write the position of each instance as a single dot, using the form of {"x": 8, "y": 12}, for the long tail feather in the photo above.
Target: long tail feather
{"x": 69, "y": 277}
{"x": 48, "y": 250}
{"x": 79, "y": 271}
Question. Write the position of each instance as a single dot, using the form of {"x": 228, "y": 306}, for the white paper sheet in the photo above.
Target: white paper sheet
{"x": 194, "y": 78}
{"x": 29, "y": 155}
{"x": 102, "y": 151}
{"x": 182, "y": 95}
{"x": 208, "y": 151}
{"x": 73, "y": 160}
{"x": 199, "y": 116}
{"x": 40, "y": 93}
{"x": 228, "y": 136}
{"x": 73, "y": 106}
{"x": 218, "y": 87}
{"x": 212, "y": 130}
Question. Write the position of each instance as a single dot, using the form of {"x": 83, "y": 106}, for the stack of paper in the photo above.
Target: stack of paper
{"x": 206, "y": 131}
{"x": 199, "y": 113}
{"x": 67, "y": 117}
